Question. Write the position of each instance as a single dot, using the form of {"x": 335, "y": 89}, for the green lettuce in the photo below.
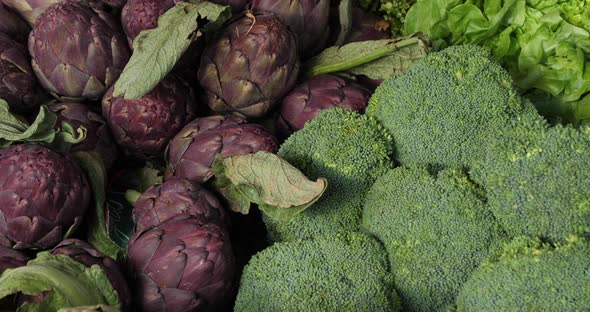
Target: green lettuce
{"x": 544, "y": 44}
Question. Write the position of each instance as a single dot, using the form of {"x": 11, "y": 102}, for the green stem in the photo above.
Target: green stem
{"x": 361, "y": 59}
{"x": 132, "y": 196}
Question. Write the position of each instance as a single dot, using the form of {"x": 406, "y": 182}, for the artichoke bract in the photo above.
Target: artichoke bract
{"x": 144, "y": 126}
{"x": 322, "y": 92}
{"x": 308, "y": 19}
{"x": 78, "y": 51}
{"x": 10, "y": 258}
{"x": 181, "y": 265}
{"x": 17, "y": 81}
{"x": 43, "y": 195}
{"x": 13, "y": 26}
{"x": 249, "y": 67}
{"x": 174, "y": 198}
{"x": 139, "y": 15}
{"x": 84, "y": 253}
{"x": 98, "y": 136}
{"x": 191, "y": 153}
{"x": 235, "y": 5}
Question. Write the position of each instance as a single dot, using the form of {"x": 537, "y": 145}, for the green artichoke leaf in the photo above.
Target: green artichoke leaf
{"x": 14, "y": 128}
{"x": 94, "y": 308}
{"x": 345, "y": 18}
{"x": 280, "y": 190}
{"x": 98, "y": 232}
{"x": 67, "y": 135}
{"x": 156, "y": 51}
{"x": 143, "y": 178}
{"x": 376, "y": 59}
{"x": 63, "y": 281}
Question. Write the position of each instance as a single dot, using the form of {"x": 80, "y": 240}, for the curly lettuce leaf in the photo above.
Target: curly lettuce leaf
{"x": 544, "y": 44}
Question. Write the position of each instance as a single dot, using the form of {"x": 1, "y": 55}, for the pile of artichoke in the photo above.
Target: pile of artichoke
{"x": 109, "y": 199}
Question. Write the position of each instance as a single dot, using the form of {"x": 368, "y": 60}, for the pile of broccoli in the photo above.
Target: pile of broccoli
{"x": 488, "y": 209}
{"x": 531, "y": 276}
{"x": 537, "y": 179}
{"x": 443, "y": 110}
{"x": 349, "y": 150}
{"x": 437, "y": 229}
{"x": 346, "y": 272}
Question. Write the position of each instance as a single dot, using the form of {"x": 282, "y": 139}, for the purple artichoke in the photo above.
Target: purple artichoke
{"x": 319, "y": 93}
{"x": 191, "y": 153}
{"x": 13, "y": 26}
{"x": 98, "y": 136}
{"x": 144, "y": 126}
{"x": 181, "y": 265}
{"x": 367, "y": 26}
{"x": 17, "y": 81}
{"x": 78, "y": 50}
{"x": 236, "y": 5}
{"x": 249, "y": 67}
{"x": 174, "y": 198}
{"x": 139, "y": 15}
{"x": 88, "y": 256}
{"x": 308, "y": 19}
{"x": 10, "y": 258}
{"x": 43, "y": 194}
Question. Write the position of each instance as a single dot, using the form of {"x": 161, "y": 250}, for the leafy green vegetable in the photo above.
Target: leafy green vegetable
{"x": 98, "y": 233}
{"x": 280, "y": 190}
{"x": 544, "y": 44}
{"x": 376, "y": 59}
{"x": 95, "y": 308}
{"x": 63, "y": 281}
{"x": 15, "y": 128}
{"x": 156, "y": 51}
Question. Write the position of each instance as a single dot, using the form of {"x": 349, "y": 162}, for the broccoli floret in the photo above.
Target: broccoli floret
{"x": 531, "y": 276}
{"x": 446, "y": 106}
{"x": 537, "y": 179}
{"x": 437, "y": 230}
{"x": 347, "y": 272}
{"x": 349, "y": 150}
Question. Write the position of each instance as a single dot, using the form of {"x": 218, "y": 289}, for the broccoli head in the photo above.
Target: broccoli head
{"x": 537, "y": 177}
{"x": 349, "y": 150}
{"x": 437, "y": 230}
{"x": 443, "y": 109}
{"x": 531, "y": 276}
{"x": 346, "y": 272}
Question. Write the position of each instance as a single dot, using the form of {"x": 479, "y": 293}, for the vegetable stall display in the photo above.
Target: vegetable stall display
{"x": 294, "y": 155}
